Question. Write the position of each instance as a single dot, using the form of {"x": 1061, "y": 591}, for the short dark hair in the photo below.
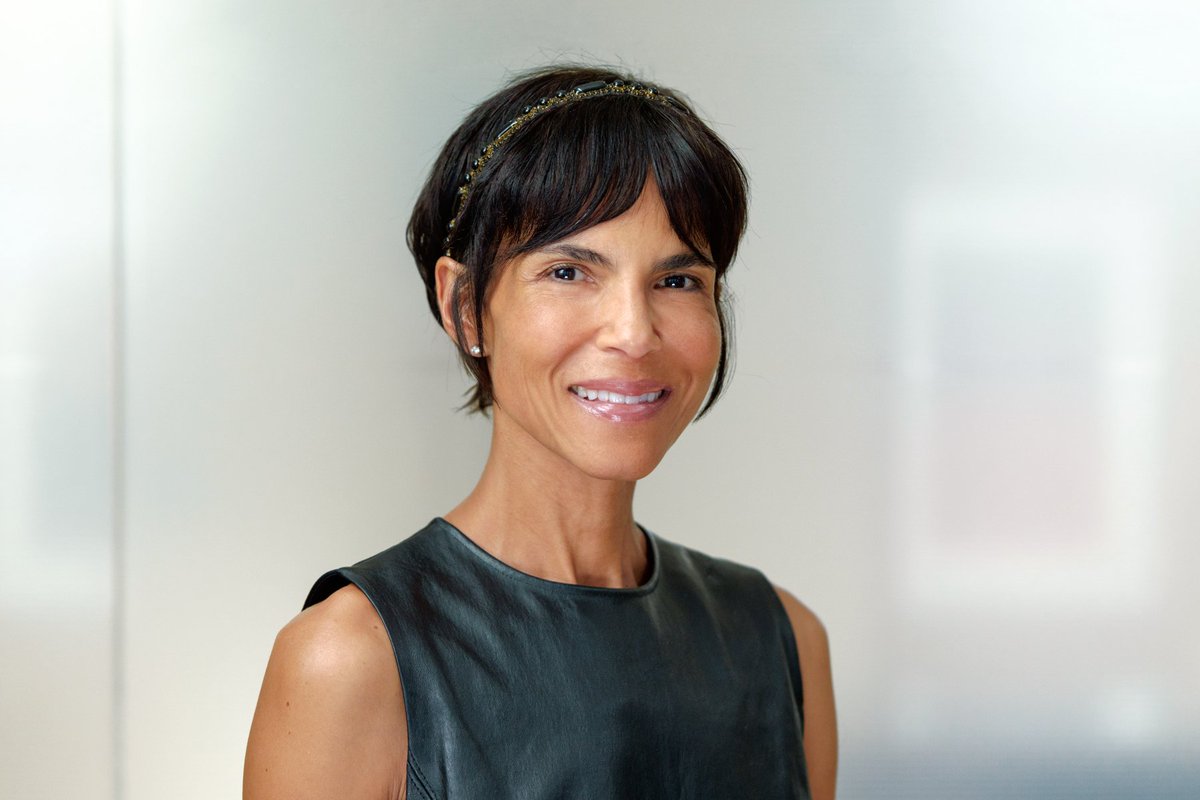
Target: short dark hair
{"x": 568, "y": 169}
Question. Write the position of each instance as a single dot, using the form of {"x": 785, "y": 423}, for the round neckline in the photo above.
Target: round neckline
{"x": 512, "y": 572}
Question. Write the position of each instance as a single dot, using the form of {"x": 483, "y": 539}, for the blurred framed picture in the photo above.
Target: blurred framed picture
{"x": 1025, "y": 442}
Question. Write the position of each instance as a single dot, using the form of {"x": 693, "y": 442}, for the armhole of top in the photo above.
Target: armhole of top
{"x": 326, "y": 585}
{"x": 791, "y": 648}
{"x": 329, "y": 583}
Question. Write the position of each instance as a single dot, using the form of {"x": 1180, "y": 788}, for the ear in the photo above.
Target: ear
{"x": 448, "y": 276}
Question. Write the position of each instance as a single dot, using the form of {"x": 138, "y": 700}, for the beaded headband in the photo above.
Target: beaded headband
{"x": 562, "y": 97}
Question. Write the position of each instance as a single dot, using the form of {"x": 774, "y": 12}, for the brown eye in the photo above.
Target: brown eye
{"x": 565, "y": 273}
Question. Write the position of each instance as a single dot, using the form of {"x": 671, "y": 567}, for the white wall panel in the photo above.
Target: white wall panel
{"x": 56, "y": 426}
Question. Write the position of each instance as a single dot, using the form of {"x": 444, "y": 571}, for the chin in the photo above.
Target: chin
{"x": 625, "y": 466}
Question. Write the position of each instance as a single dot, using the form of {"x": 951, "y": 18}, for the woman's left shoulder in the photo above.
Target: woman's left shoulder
{"x": 806, "y": 624}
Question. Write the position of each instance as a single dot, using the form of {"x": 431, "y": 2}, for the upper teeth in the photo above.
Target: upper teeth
{"x": 614, "y": 397}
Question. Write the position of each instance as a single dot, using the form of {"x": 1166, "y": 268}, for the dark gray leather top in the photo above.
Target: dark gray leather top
{"x": 517, "y": 687}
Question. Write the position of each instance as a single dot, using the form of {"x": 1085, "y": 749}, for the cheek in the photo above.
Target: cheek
{"x": 536, "y": 330}
{"x": 700, "y": 338}
{"x": 528, "y": 341}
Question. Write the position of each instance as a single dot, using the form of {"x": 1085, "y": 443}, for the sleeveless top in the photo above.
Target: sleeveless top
{"x": 514, "y": 686}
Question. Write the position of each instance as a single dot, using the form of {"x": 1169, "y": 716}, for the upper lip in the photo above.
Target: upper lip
{"x": 621, "y": 385}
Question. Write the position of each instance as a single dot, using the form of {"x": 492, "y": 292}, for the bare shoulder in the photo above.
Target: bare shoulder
{"x": 810, "y": 631}
{"x": 330, "y": 717}
{"x": 344, "y": 631}
{"x": 820, "y": 714}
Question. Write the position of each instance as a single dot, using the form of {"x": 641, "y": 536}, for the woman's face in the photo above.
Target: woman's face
{"x": 602, "y": 346}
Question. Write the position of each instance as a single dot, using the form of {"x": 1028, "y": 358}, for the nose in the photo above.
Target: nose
{"x": 627, "y": 321}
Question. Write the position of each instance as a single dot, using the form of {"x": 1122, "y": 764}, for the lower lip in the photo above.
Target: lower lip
{"x": 621, "y": 412}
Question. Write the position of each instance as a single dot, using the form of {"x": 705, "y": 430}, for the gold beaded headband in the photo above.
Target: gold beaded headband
{"x": 562, "y": 97}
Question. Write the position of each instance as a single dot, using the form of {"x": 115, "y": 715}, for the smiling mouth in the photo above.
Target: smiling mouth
{"x": 604, "y": 396}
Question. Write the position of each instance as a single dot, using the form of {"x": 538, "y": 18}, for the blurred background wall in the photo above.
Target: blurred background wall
{"x": 963, "y": 427}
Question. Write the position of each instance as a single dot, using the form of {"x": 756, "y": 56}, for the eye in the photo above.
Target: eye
{"x": 563, "y": 273}
{"x": 681, "y": 282}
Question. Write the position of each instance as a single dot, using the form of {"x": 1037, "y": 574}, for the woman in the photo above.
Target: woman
{"x": 535, "y": 642}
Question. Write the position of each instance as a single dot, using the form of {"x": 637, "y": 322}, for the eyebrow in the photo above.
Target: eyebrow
{"x": 668, "y": 264}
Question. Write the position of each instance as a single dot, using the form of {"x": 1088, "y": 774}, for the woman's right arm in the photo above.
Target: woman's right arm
{"x": 330, "y": 718}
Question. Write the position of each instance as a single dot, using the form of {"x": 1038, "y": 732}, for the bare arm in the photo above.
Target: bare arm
{"x": 820, "y": 716}
{"x": 330, "y": 719}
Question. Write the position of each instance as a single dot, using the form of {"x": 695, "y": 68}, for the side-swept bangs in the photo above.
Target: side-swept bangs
{"x": 568, "y": 169}
{"x": 586, "y": 164}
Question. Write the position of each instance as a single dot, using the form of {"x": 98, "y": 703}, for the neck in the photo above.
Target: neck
{"x": 539, "y": 514}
